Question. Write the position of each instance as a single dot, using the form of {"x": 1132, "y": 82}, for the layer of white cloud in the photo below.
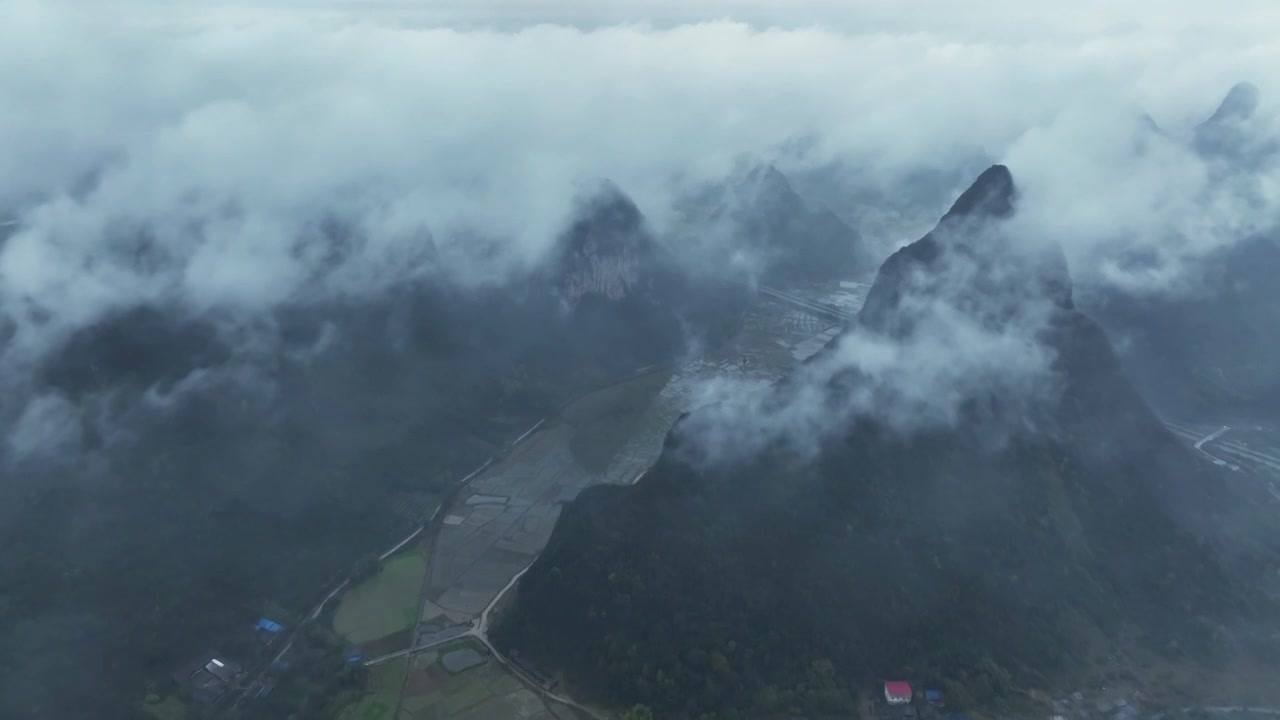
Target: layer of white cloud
{"x": 191, "y": 153}
{"x": 946, "y": 348}
{"x": 1007, "y": 19}
{"x": 48, "y": 428}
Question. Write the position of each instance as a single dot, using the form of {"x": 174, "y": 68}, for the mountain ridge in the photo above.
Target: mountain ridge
{"x": 776, "y": 581}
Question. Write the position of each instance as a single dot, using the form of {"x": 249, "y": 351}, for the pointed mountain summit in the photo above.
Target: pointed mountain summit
{"x": 623, "y": 294}
{"x": 991, "y": 195}
{"x": 1240, "y": 103}
{"x": 967, "y": 260}
{"x": 766, "y": 182}
{"x": 606, "y": 248}
{"x": 778, "y": 581}
{"x": 758, "y": 213}
{"x": 1226, "y": 133}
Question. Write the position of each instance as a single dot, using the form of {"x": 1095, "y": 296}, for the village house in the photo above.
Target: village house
{"x": 897, "y": 692}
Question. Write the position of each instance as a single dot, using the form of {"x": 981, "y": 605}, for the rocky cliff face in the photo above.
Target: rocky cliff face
{"x": 607, "y": 250}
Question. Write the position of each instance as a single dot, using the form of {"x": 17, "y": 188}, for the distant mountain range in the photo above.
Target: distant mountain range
{"x": 1049, "y": 525}
{"x": 756, "y": 221}
{"x": 1210, "y": 348}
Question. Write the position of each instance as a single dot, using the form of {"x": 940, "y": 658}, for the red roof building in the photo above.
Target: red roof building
{"x": 897, "y": 692}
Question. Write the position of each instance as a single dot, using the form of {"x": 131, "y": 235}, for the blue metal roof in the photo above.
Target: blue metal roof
{"x": 268, "y": 625}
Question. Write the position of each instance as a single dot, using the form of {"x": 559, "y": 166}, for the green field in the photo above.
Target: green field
{"x": 384, "y": 604}
{"x": 480, "y": 693}
{"x": 385, "y": 681}
{"x": 170, "y": 708}
{"x": 484, "y": 692}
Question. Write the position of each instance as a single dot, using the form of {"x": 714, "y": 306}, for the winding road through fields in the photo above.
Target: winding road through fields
{"x": 432, "y": 523}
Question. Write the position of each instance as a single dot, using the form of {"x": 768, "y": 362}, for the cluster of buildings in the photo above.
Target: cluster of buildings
{"x": 208, "y": 677}
{"x": 211, "y": 675}
{"x": 901, "y": 702}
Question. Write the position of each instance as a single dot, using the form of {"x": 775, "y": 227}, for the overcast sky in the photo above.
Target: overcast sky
{"x": 985, "y": 18}
{"x": 228, "y": 131}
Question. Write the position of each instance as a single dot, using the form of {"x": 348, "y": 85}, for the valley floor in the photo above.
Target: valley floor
{"x": 494, "y": 528}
